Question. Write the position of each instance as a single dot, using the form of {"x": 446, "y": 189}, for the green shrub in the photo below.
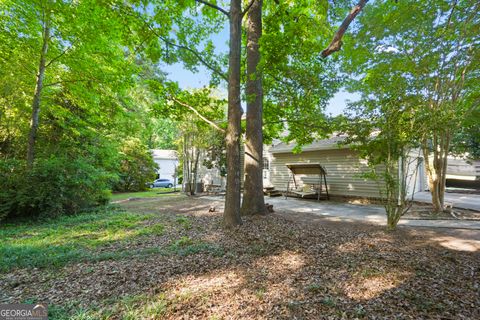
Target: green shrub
{"x": 137, "y": 167}
{"x": 52, "y": 187}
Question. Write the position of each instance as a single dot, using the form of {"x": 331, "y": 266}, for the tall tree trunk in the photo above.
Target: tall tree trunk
{"x": 253, "y": 200}
{"x": 32, "y": 136}
{"x": 231, "y": 214}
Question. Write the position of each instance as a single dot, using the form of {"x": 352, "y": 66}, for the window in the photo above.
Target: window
{"x": 266, "y": 164}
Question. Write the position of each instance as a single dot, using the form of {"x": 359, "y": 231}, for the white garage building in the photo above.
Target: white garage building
{"x": 167, "y": 161}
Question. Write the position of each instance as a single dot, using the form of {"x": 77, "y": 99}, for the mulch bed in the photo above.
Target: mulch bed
{"x": 424, "y": 212}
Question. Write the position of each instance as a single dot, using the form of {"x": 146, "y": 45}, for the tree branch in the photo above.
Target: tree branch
{"x": 69, "y": 81}
{"x": 211, "y": 5}
{"x": 213, "y": 124}
{"x": 451, "y": 13}
{"x": 197, "y": 55}
{"x": 59, "y": 56}
{"x": 215, "y": 69}
{"x": 248, "y": 7}
{"x": 194, "y": 52}
{"x": 336, "y": 43}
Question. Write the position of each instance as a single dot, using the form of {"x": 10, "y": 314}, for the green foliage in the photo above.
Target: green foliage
{"x": 329, "y": 301}
{"x": 137, "y": 167}
{"x": 86, "y": 64}
{"x": 88, "y": 237}
{"x": 383, "y": 131}
{"x": 215, "y": 154}
{"x": 94, "y": 102}
{"x": 54, "y": 186}
{"x": 183, "y": 242}
{"x": 202, "y": 140}
{"x": 298, "y": 83}
{"x": 186, "y": 246}
{"x": 314, "y": 288}
{"x": 421, "y": 53}
{"x": 161, "y": 133}
{"x": 184, "y": 222}
{"x": 466, "y": 142}
{"x": 416, "y": 67}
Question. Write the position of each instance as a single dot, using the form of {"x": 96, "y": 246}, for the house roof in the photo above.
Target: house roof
{"x": 164, "y": 154}
{"x": 324, "y": 144}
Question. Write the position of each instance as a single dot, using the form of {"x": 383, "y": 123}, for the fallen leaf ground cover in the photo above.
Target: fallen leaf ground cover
{"x": 272, "y": 267}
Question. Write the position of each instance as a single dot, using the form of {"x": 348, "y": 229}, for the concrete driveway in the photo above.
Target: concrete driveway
{"x": 366, "y": 213}
{"x": 338, "y": 211}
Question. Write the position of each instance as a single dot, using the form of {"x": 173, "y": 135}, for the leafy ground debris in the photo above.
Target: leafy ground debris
{"x": 272, "y": 267}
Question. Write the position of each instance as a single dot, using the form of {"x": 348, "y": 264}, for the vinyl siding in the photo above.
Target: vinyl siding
{"x": 343, "y": 168}
{"x": 209, "y": 176}
{"x": 458, "y": 168}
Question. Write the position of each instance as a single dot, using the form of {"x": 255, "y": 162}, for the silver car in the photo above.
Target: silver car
{"x": 162, "y": 183}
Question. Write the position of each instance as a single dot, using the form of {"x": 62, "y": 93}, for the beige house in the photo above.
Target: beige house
{"x": 343, "y": 166}
{"x": 460, "y": 169}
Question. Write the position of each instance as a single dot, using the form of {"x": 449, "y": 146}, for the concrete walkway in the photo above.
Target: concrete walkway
{"x": 458, "y": 200}
{"x": 337, "y": 211}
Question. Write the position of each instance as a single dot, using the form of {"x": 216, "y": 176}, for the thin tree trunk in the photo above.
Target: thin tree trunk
{"x": 231, "y": 215}
{"x": 191, "y": 164}
{"x": 34, "y": 122}
{"x": 433, "y": 177}
{"x": 253, "y": 200}
{"x": 443, "y": 176}
{"x": 195, "y": 170}
{"x": 186, "y": 163}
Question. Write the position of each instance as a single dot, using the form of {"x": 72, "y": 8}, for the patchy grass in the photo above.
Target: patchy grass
{"x": 184, "y": 222}
{"x": 67, "y": 239}
{"x": 150, "y": 193}
{"x": 169, "y": 258}
{"x": 106, "y": 234}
